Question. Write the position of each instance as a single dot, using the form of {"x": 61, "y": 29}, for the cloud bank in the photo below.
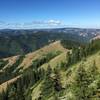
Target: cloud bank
{"x": 34, "y": 24}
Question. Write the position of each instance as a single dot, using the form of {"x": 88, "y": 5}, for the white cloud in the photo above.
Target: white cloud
{"x": 33, "y": 24}
{"x": 47, "y": 22}
{"x": 54, "y": 22}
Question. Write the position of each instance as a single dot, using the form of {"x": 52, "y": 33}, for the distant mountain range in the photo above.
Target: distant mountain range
{"x": 13, "y": 42}
{"x": 58, "y": 30}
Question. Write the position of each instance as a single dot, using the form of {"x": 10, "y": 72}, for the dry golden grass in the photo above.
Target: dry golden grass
{"x": 34, "y": 55}
{"x": 4, "y": 85}
{"x": 11, "y": 61}
{"x": 97, "y": 37}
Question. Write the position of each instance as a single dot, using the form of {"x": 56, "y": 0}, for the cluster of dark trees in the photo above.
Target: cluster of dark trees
{"x": 8, "y": 73}
{"x": 17, "y": 90}
{"x": 69, "y": 44}
{"x": 3, "y": 63}
{"x": 81, "y": 52}
{"x": 82, "y": 87}
{"x": 51, "y": 85}
{"x": 20, "y": 89}
{"x": 30, "y": 76}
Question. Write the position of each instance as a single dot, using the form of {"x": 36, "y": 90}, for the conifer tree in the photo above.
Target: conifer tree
{"x": 48, "y": 86}
{"x": 68, "y": 58}
{"x": 57, "y": 81}
{"x": 12, "y": 93}
{"x": 81, "y": 84}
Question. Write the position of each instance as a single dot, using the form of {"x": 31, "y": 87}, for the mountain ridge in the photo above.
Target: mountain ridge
{"x": 14, "y": 42}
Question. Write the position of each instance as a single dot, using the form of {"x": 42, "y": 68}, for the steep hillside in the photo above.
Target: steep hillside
{"x": 67, "y": 78}
{"x": 53, "y": 73}
{"x": 74, "y": 82}
{"x": 26, "y": 62}
{"x": 56, "y": 46}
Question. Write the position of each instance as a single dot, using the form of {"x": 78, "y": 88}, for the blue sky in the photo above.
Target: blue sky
{"x": 49, "y": 13}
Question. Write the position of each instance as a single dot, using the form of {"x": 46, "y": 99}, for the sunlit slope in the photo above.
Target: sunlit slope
{"x": 55, "y": 61}
{"x": 56, "y": 46}
{"x": 4, "y": 85}
{"x": 67, "y": 78}
{"x": 27, "y": 60}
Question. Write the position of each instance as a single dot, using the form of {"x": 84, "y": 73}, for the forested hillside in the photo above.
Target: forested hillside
{"x": 54, "y": 72}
